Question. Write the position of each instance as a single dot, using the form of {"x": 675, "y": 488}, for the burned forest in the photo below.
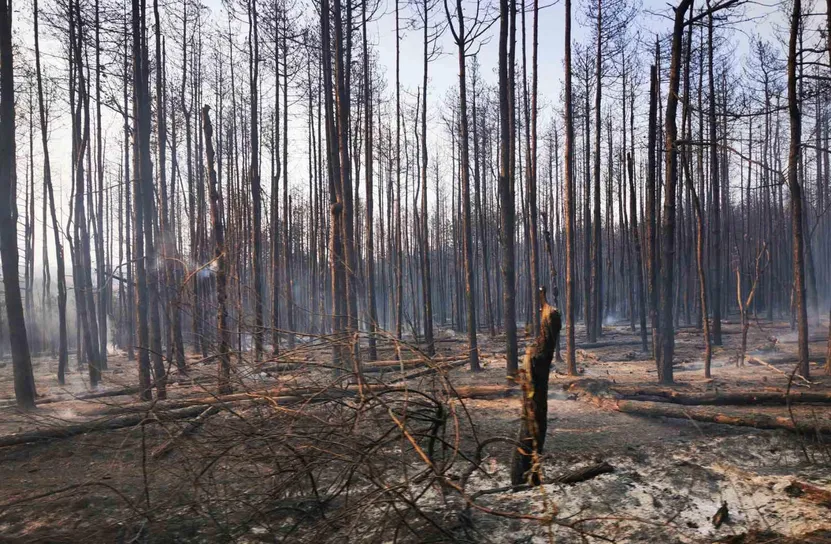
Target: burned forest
{"x": 475, "y": 271}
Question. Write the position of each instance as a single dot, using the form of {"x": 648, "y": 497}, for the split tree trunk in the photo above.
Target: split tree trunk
{"x": 224, "y": 374}
{"x": 534, "y": 378}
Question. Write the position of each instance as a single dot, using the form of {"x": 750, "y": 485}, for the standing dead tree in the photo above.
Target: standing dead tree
{"x": 507, "y": 26}
{"x": 794, "y": 159}
{"x": 664, "y": 353}
{"x": 568, "y": 199}
{"x": 63, "y": 347}
{"x": 224, "y": 367}
{"x": 525, "y": 463}
{"x": 465, "y": 39}
{"x": 744, "y": 303}
{"x": 24, "y": 382}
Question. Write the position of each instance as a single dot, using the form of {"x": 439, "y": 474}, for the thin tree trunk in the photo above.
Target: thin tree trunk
{"x": 461, "y": 43}
{"x": 254, "y": 179}
{"x": 568, "y": 201}
{"x": 370, "y": 237}
{"x": 506, "y": 183}
{"x": 794, "y": 156}
{"x": 63, "y": 349}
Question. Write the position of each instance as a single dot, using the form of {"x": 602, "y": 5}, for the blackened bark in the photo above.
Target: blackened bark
{"x": 24, "y": 382}
{"x": 798, "y": 250}
{"x": 224, "y": 367}
{"x": 568, "y": 201}
{"x": 534, "y": 379}
{"x": 63, "y": 348}
{"x": 667, "y": 332}
{"x": 506, "y": 175}
{"x": 651, "y": 208}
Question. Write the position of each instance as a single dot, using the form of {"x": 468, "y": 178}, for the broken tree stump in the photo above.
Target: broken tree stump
{"x": 534, "y": 380}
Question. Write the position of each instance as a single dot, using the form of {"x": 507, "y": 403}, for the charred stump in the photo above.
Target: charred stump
{"x": 534, "y": 379}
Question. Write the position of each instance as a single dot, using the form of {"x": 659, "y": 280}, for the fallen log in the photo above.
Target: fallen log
{"x": 430, "y": 370}
{"x": 165, "y": 448}
{"x": 758, "y": 361}
{"x": 585, "y": 473}
{"x": 171, "y": 410}
{"x": 703, "y": 414}
{"x": 569, "y": 478}
{"x": 122, "y": 391}
{"x": 67, "y": 431}
{"x": 748, "y": 398}
{"x": 611, "y": 343}
{"x": 602, "y": 393}
{"x": 370, "y": 367}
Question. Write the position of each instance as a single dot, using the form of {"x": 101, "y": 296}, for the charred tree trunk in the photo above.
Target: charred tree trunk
{"x": 224, "y": 367}
{"x": 24, "y": 382}
{"x": 506, "y": 182}
{"x": 462, "y": 41}
{"x": 651, "y": 208}
{"x": 63, "y": 347}
{"x": 372, "y": 310}
{"x": 254, "y": 179}
{"x": 568, "y": 201}
{"x": 667, "y": 332}
{"x": 633, "y": 218}
{"x": 714, "y": 181}
{"x": 798, "y": 249}
{"x": 525, "y": 467}
{"x": 426, "y": 284}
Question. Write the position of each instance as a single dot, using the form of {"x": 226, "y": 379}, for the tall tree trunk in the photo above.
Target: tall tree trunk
{"x": 568, "y": 200}
{"x": 651, "y": 207}
{"x": 667, "y": 332}
{"x": 716, "y": 233}
{"x": 288, "y": 280}
{"x": 99, "y": 171}
{"x": 596, "y": 299}
{"x": 168, "y": 241}
{"x": 84, "y": 295}
{"x": 63, "y": 348}
{"x": 506, "y": 181}
{"x": 224, "y": 367}
{"x": 794, "y": 157}
{"x": 343, "y": 111}
{"x": 464, "y": 158}
{"x": 336, "y": 205}
{"x": 275, "y": 198}
{"x": 370, "y": 237}
{"x": 633, "y": 218}
{"x": 426, "y": 287}
{"x": 24, "y": 381}
{"x": 254, "y": 178}
{"x": 145, "y": 259}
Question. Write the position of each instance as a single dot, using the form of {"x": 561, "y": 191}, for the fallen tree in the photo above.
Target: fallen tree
{"x": 716, "y": 398}
{"x": 603, "y": 394}
{"x": 176, "y": 409}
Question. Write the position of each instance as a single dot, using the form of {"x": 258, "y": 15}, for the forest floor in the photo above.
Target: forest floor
{"x": 66, "y": 477}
